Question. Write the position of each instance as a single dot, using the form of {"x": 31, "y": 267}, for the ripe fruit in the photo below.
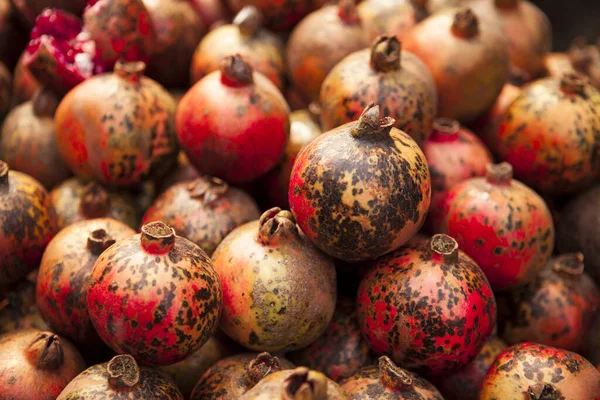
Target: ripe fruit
{"x": 360, "y": 190}
{"x": 243, "y": 133}
{"x": 430, "y": 307}
{"x": 24, "y": 85}
{"x": 398, "y": 81}
{"x": 155, "y": 296}
{"x": 390, "y": 17}
{"x": 502, "y": 224}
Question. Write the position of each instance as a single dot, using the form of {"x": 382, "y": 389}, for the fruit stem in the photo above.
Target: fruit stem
{"x": 276, "y": 224}
{"x": 98, "y": 241}
{"x": 506, "y": 3}
{"x": 123, "y": 372}
{"x": 44, "y": 102}
{"x": 499, "y": 174}
{"x": 158, "y": 238}
{"x": 391, "y": 376}
{"x": 385, "y": 54}
{"x": 445, "y": 130}
{"x": 235, "y": 71}
{"x": 248, "y": 20}
{"x": 207, "y": 188}
{"x": 573, "y": 83}
{"x": 45, "y": 351}
{"x": 4, "y": 170}
{"x": 347, "y": 12}
{"x": 264, "y": 364}
{"x": 305, "y": 384}
{"x": 369, "y": 125}
{"x": 131, "y": 71}
{"x": 569, "y": 264}
{"x": 466, "y": 24}
{"x": 95, "y": 201}
{"x": 445, "y": 246}
{"x": 543, "y": 391}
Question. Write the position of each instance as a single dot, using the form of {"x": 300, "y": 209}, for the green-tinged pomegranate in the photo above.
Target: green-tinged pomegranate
{"x": 390, "y": 17}
{"x": 19, "y": 310}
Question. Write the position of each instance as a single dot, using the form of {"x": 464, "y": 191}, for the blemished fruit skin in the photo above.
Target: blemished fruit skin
{"x": 155, "y": 296}
{"x": 360, "y": 190}
{"x": 430, "y": 307}
{"x": 538, "y": 372}
{"x": 502, "y": 224}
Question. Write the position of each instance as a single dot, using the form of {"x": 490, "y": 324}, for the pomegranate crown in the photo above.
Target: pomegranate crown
{"x": 276, "y": 224}
{"x": 158, "y": 238}
{"x": 370, "y": 125}
{"x": 235, "y": 71}
{"x": 98, "y": 241}
{"x": 248, "y": 20}
{"x": 392, "y": 376}
{"x": 304, "y": 384}
{"x": 264, "y": 364}
{"x": 385, "y": 53}
{"x": 45, "y": 351}
{"x": 95, "y": 201}
{"x": 123, "y": 372}
{"x": 207, "y": 188}
{"x": 465, "y": 24}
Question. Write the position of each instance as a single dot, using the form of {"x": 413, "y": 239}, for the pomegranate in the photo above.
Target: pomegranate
{"x": 178, "y": 31}
{"x": 231, "y": 377}
{"x": 381, "y": 75}
{"x": 280, "y": 15}
{"x": 279, "y": 291}
{"x": 311, "y": 55}
{"x": 295, "y": 98}
{"x": 263, "y": 50}
{"x": 27, "y": 223}
{"x": 121, "y": 378}
{"x": 558, "y": 64}
{"x": 184, "y": 172}
{"x": 19, "y": 311}
{"x": 204, "y": 210}
{"x": 550, "y": 135}
{"x": 502, "y": 224}
{"x": 28, "y": 10}
{"x": 24, "y": 85}
{"x": 28, "y": 140}
{"x": 487, "y": 125}
{"x": 5, "y": 90}
{"x": 75, "y": 200}
{"x": 538, "y": 372}
{"x": 118, "y": 128}
{"x": 586, "y": 59}
{"x": 244, "y": 134}
{"x": 467, "y": 58}
{"x": 361, "y": 190}
{"x": 159, "y": 315}
{"x": 211, "y": 12}
{"x": 454, "y": 154}
{"x": 36, "y": 365}
{"x": 388, "y": 381}
{"x": 391, "y": 17}
{"x": 341, "y": 350}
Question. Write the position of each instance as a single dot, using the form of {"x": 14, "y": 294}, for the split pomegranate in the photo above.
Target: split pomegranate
{"x": 280, "y": 15}
{"x": 18, "y": 310}
{"x": 24, "y": 85}
{"x": 390, "y": 17}
{"x": 5, "y": 90}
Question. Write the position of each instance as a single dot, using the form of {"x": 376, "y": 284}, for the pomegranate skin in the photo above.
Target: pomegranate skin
{"x": 279, "y": 15}
{"x": 246, "y": 129}
{"x": 468, "y": 59}
{"x": 535, "y": 371}
{"x": 20, "y": 311}
{"x": 118, "y": 128}
{"x": 210, "y": 11}
{"x": 24, "y": 84}
{"x": 158, "y": 315}
{"x": 389, "y": 17}
{"x": 502, "y": 224}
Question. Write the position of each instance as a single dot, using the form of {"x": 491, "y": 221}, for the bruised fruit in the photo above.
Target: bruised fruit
{"x": 319, "y": 42}
{"x": 5, "y": 90}
{"x": 390, "y": 17}
{"x": 245, "y": 126}
{"x": 538, "y": 372}
{"x": 118, "y": 128}
{"x": 36, "y": 365}
{"x": 279, "y": 291}
{"x": 428, "y": 306}
{"x": 360, "y": 190}
{"x": 155, "y": 296}
{"x": 24, "y": 86}
{"x": 502, "y": 224}
{"x": 204, "y": 210}
{"x": 263, "y": 50}
{"x": 280, "y": 15}
{"x": 18, "y": 310}
{"x": 468, "y": 59}
{"x": 386, "y": 381}
{"x": 29, "y": 10}
{"x": 398, "y": 81}
{"x": 231, "y": 377}
{"x": 28, "y": 140}
{"x": 65, "y": 272}
{"x": 121, "y": 378}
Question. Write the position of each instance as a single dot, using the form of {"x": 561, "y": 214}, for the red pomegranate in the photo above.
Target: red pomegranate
{"x": 18, "y": 310}
{"x": 487, "y": 125}
{"x": 24, "y": 85}
{"x": 538, "y": 372}
{"x": 5, "y": 90}
{"x": 244, "y": 134}
{"x": 36, "y": 365}
{"x": 28, "y": 10}
{"x": 280, "y": 15}
{"x": 454, "y": 154}
{"x": 387, "y": 77}
{"x": 118, "y": 128}
{"x": 154, "y": 295}
{"x": 502, "y": 224}
{"x": 391, "y": 17}
{"x": 211, "y": 12}
{"x": 262, "y": 49}
{"x": 467, "y": 58}
{"x": 430, "y": 307}
{"x": 361, "y": 190}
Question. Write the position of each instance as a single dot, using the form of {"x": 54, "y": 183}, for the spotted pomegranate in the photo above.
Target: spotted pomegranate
{"x": 538, "y": 372}
{"x": 386, "y": 77}
{"x": 211, "y": 12}
{"x": 390, "y": 17}
{"x": 388, "y": 381}
{"x": 231, "y": 377}
{"x": 204, "y": 210}
{"x": 262, "y": 49}
{"x": 28, "y": 10}
{"x": 454, "y": 154}
{"x": 430, "y": 307}
{"x": 360, "y": 190}
{"x": 467, "y": 58}
{"x": 36, "y": 365}
{"x": 5, "y": 90}
{"x": 24, "y": 85}
{"x": 28, "y": 140}
{"x": 118, "y": 128}
{"x": 280, "y": 15}
{"x": 184, "y": 172}
{"x": 311, "y": 55}
{"x": 245, "y": 131}
{"x": 487, "y": 125}
{"x": 27, "y": 223}
{"x": 77, "y": 200}
{"x": 159, "y": 315}
{"x": 502, "y": 224}
{"x": 18, "y": 310}
{"x": 121, "y": 378}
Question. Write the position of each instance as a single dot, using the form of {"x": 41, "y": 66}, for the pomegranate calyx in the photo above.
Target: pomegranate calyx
{"x": 385, "y": 54}
{"x": 499, "y": 174}
{"x": 305, "y": 384}
{"x": 579, "y": 54}
{"x": 207, "y": 188}
{"x": 275, "y": 224}
{"x": 131, "y": 71}
{"x": 158, "y": 238}
{"x": 45, "y": 102}
{"x": 123, "y": 372}
{"x": 347, "y": 12}
{"x": 446, "y": 246}
{"x": 445, "y": 130}
{"x": 543, "y": 391}
{"x": 573, "y": 83}
{"x": 391, "y": 376}
{"x": 98, "y": 241}
{"x": 45, "y": 351}
{"x": 465, "y": 24}
{"x": 369, "y": 125}
{"x": 235, "y": 71}
{"x": 264, "y": 364}
{"x": 95, "y": 201}
{"x": 569, "y": 264}
{"x": 4, "y": 169}
{"x": 248, "y": 20}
